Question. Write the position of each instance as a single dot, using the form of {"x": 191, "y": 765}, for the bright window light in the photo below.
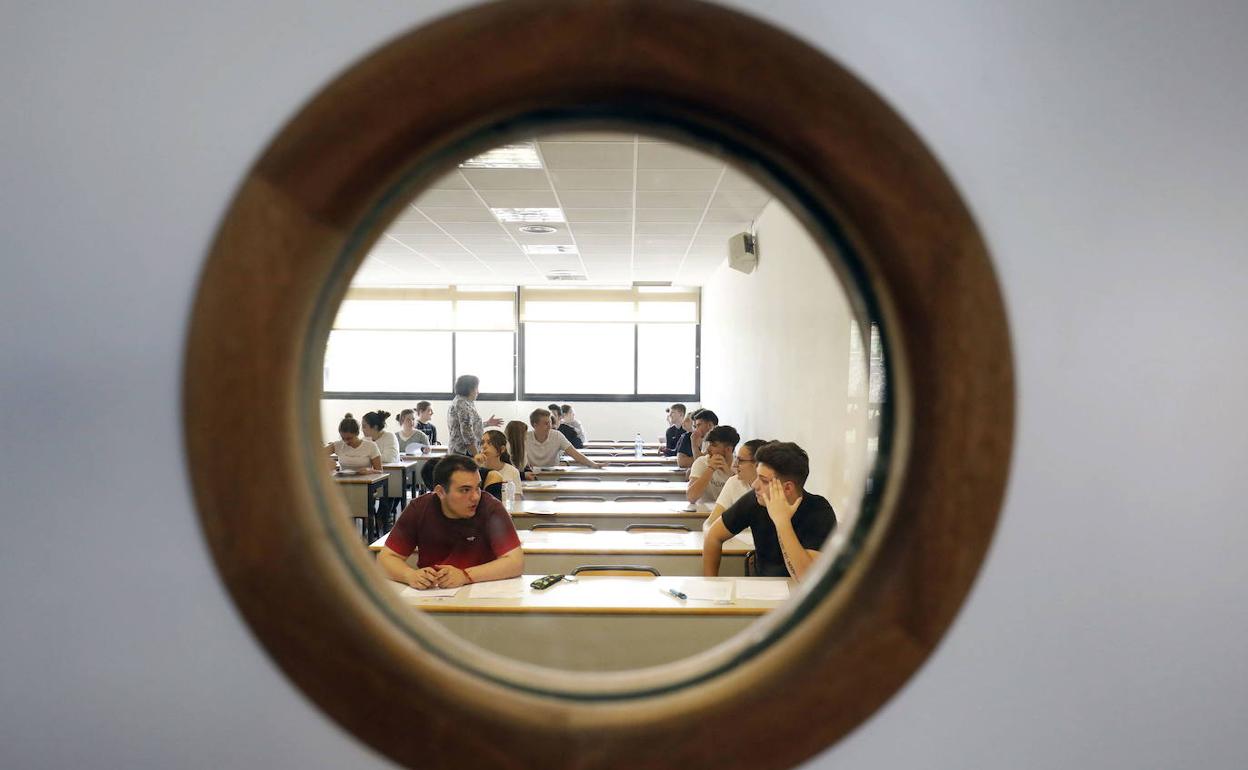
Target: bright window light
{"x": 666, "y": 358}
{"x": 388, "y": 361}
{"x": 529, "y": 215}
{"x": 578, "y": 358}
{"x": 523, "y": 155}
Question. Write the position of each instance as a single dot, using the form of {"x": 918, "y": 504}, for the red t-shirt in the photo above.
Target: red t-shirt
{"x": 461, "y": 543}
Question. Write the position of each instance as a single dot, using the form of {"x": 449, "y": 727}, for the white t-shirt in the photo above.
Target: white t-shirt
{"x": 734, "y": 489}
{"x": 545, "y": 454}
{"x": 354, "y": 458}
{"x": 718, "y": 479}
{"x": 388, "y": 445}
{"x": 509, "y": 473}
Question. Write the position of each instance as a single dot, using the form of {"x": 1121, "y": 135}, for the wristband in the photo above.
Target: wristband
{"x": 470, "y": 580}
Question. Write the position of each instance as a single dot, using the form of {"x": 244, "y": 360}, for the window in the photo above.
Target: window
{"x": 490, "y": 356}
{"x": 576, "y": 358}
{"x": 384, "y": 361}
{"x": 666, "y": 354}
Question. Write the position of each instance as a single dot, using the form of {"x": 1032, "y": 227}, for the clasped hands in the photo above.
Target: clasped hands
{"x": 438, "y": 576}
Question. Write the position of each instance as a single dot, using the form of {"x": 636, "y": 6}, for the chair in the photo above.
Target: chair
{"x": 657, "y": 528}
{"x": 577, "y": 526}
{"x": 751, "y": 564}
{"x": 617, "y": 570}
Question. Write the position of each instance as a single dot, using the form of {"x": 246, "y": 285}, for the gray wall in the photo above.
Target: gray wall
{"x": 1102, "y": 151}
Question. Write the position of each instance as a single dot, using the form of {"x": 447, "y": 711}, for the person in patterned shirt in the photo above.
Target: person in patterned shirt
{"x": 464, "y": 426}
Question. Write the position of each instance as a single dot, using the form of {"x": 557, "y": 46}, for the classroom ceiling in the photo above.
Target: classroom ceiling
{"x": 624, "y": 208}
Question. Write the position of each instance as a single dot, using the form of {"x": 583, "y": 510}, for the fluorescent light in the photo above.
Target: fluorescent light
{"x": 538, "y": 229}
{"x": 549, "y": 249}
{"x": 523, "y": 155}
{"x": 528, "y": 215}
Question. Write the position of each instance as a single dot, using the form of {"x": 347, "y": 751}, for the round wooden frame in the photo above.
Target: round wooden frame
{"x": 848, "y": 164}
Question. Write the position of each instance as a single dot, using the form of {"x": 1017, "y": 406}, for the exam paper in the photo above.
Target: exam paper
{"x": 427, "y": 593}
{"x": 765, "y": 590}
{"x": 511, "y": 588}
{"x": 718, "y": 591}
{"x": 529, "y": 536}
{"x": 663, "y": 538}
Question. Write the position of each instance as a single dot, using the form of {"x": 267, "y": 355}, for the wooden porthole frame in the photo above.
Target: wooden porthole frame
{"x": 327, "y": 185}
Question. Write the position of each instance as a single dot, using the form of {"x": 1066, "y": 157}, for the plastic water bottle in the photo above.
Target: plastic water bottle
{"x": 637, "y": 446}
{"x": 509, "y": 494}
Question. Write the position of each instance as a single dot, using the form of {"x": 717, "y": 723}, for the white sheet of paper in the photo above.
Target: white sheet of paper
{"x": 427, "y": 593}
{"x": 663, "y": 538}
{"x": 530, "y": 536}
{"x": 719, "y": 591}
{"x": 763, "y": 590}
{"x": 511, "y": 588}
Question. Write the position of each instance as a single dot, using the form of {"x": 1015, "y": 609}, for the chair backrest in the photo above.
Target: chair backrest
{"x": 617, "y": 570}
{"x": 571, "y": 525}
{"x": 640, "y": 499}
{"x": 579, "y": 499}
{"x": 751, "y": 564}
{"x": 657, "y": 528}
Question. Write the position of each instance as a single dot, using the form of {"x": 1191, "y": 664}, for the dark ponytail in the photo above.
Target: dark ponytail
{"x": 349, "y": 425}
{"x": 376, "y": 420}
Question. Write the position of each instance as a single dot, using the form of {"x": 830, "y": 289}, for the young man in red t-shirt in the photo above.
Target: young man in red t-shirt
{"x": 462, "y": 535}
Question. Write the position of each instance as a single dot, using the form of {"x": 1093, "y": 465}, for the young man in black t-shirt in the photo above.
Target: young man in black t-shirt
{"x": 424, "y": 413}
{"x": 790, "y": 524}
{"x": 675, "y": 418}
{"x": 556, "y": 422}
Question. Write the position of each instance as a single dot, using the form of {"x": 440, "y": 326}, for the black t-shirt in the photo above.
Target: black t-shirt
{"x": 674, "y": 432}
{"x": 813, "y": 521}
{"x": 495, "y": 489}
{"x": 430, "y": 430}
{"x": 684, "y": 446}
{"x": 570, "y": 434}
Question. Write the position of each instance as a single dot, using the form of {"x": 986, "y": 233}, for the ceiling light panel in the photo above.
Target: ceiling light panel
{"x": 528, "y": 214}
{"x": 521, "y": 155}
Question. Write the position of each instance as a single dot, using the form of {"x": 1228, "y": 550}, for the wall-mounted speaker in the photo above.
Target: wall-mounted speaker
{"x": 743, "y": 252}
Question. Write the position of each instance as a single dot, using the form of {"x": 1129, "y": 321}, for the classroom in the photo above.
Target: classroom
{"x": 614, "y": 284}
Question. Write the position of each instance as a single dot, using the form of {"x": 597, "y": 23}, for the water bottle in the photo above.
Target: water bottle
{"x": 637, "y": 446}
{"x": 509, "y": 494}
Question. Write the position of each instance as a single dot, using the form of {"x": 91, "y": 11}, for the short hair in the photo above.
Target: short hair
{"x": 376, "y": 420}
{"x": 349, "y": 425}
{"x": 466, "y": 383}
{"x": 753, "y": 445}
{"x": 448, "y": 465}
{"x": 554, "y": 409}
{"x": 403, "y": 413}
{"x": 788, "y": 460}
{"x": 678, "y": 408}
{"x": 536, "y": 415}
{"x": 565, "y": 408}
{"x": 706, "y": 414}
{"x": 423, "y": 405}
{"x": 724, "y": 434}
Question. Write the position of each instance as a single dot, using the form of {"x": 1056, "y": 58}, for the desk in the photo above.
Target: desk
{"x": 606, "y": 490}
{"x": 596, "y": 623}
{"x": 671, "y": 553}
{"x": 407, "y": 471}
{"x": 361, "y": 490}
{"x": 617, "y": 452}
{"x": 623, "y": 459}
{"x": 612, "y": 473}
{"x": 608, "y": 515}
{"x": 617, "y": 444}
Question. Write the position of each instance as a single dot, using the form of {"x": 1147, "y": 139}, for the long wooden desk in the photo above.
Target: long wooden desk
{"x": 612, "y": 473}
{"x": 361, "y": 490}
{"x": 625, "y": 459}
{"x": 548, "y": 552}
{"x": 621, "y": 444}
{"x": 618, "y": 452}
{"x": 596, "y": 623}
{"x": 609, "y": 515}
{"x": 605, "y": 490}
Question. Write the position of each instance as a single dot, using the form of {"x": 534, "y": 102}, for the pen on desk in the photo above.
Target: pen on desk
{"x": 675, "y": 593}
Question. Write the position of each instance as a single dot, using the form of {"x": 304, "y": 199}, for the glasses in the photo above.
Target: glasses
{"x": 740, "y": 461}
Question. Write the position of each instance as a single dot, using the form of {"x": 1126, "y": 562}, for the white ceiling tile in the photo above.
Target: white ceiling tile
{"x": 506, "y": 178}
{"x": 668, "y": 155}
{"x": 666, "y": 228}
{"x": 733, "y": 214}
{"x": 598, "y": 179}
{"x": 450, "y": 181}
{"x": 473, "y": 228}
{"x": 598, "y": 215}
{"x": 520, "y": 199}
{"x": 604, "y": 243}
{"x": 587, "y": 136}
{"x": 446, "y": 198}
{"x": 656, "y": 199}
{"x": 578, "y": 155}
{"x": 724, "y": 229}
{"x": 662, "y": 242}
{"x": 753, "y": 200}
{"x": 423, "y": 227}
{"x": 596, "y": 199}
{"x": 466, "y": 214}
{"x": 734, "y": 179}
{"x": 676, "y": 179}
{"x": 602, "y": 228}
{"x": 668, "y": 215}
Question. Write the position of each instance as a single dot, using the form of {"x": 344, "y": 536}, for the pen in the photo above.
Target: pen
{"x": 674, "y": 592}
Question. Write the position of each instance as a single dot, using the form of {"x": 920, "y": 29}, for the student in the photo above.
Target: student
{"x": 412, "y": 440}
{"x": 543, "y": 445}
{"x": 463, "y": 423}
{"x": 461, "y": 535}
{"x": 495, "y": 462}
{"x": 568, "y": 417}
{"x": 516, "y": 432}
{"x": 354, "y": 453}
{"x": 737, "y": 486}
{"x": 691, "y": 445}
{"x": 556, "y": 422}
{"x": 375, "y": 431}
{"x": 675, "y": 419}
{"x": 424, "y": 413}
{"x": 790, "y": 524}
{"x": 711, "y": 471}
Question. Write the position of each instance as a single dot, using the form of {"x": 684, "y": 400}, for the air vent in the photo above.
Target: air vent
{"x": 564, "y": 275}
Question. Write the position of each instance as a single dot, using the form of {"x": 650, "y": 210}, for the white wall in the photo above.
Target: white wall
{"x": 1100, "y": 146}
{"x": 600, "y": 419}
{"x": 775, "y": 358}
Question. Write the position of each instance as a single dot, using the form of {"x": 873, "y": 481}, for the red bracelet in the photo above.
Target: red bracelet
{"x": 470, "y": 580}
